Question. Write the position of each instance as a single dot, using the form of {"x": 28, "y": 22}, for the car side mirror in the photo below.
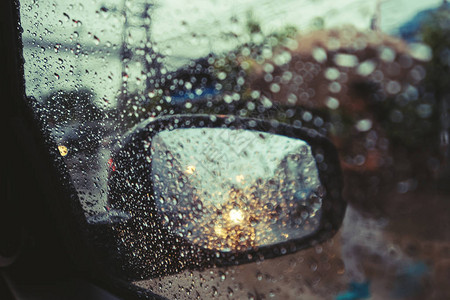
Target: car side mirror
{"x": 202, "y": 191}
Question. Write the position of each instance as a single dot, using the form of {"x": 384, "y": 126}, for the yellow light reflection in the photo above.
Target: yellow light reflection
{"x": 190, "y": 169}
{"x": 236, "y": 215}
{"x": 219, "y": 230}
{"x": 63, "y": 150}
{"x": 240, "y": 178}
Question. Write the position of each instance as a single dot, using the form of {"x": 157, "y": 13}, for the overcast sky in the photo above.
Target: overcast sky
{"x": 73, "y": 44}
{"x": 175, "y": 21}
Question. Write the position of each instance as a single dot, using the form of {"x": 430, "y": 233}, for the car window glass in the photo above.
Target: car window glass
{"x": 364, "y": 74}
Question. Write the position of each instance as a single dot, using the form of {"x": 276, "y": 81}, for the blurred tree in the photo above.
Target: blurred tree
{"x": 435, "y": 32}
{"x": 414, "y": 122}
{"x": 318, "y": 23}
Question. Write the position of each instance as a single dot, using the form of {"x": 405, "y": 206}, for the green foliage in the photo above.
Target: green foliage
{"x": 415, "y": 123}
{"x": 317, "y": 23}
{"x": 253, "y": 26}
{"x": 436, "y": 34}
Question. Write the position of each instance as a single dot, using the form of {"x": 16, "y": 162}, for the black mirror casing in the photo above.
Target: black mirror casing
{"x": 148, "y": 249}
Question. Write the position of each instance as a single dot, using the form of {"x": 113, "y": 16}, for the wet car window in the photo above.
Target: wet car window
{"x": 369, "y": 77}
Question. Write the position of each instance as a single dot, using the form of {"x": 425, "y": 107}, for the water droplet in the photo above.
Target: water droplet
{"x": 319, "y": 54}
{"x": 334, "y": 87}
{"x": 421, "y": 51}
{"x": 364, "y": 125}
{"x": 275, "y": 88}
{"x": 366, "y": 68}
{"x": 259, "y": 276}
{"x": 215, "y": 291}
{"x": 387, "y": 54}
{"x": 396, "y": 116}
{"x": 76, "y": 23}
{"x": 424, "y": 110}
{"x": 346, "y": 60}
{"x": 393, "y": 87}
{"x": 63, "y": 150}
{"x": 332, "y": 103}
{"x": 222, "y": 276}
{"x": 332, "y": 74}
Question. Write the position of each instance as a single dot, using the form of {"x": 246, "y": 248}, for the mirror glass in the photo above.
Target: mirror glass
{"x": 234, "y": 189}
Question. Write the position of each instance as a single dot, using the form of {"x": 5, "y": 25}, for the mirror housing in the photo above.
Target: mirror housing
{"x": 149, "y": 248}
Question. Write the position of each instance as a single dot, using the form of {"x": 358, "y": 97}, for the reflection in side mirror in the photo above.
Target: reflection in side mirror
{"x": 199, "y": 191}
{"x": 234, "y": 189}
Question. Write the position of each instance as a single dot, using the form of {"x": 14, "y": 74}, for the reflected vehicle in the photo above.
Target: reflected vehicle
{"x": 226, "y": 150}
{"x": 73, "y": 122}
{"x": 191, "y": 83}
{"x": 78, "y": 137}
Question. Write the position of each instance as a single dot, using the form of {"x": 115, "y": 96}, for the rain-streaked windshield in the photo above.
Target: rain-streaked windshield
{"x": 371, "y": 77}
